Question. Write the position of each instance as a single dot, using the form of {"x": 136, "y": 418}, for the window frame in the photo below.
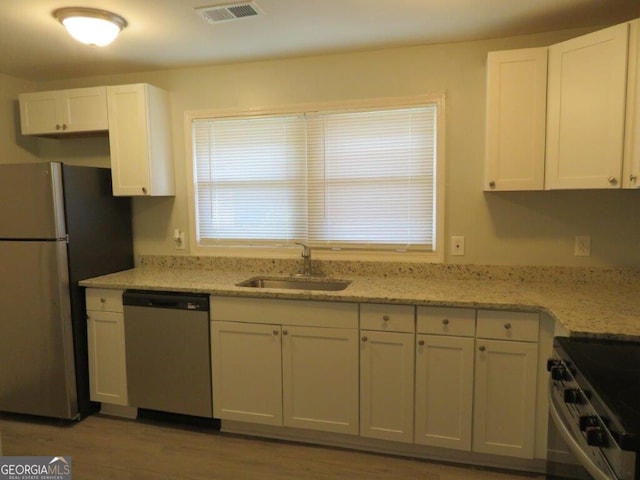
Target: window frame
{"x": 288, "y": 251}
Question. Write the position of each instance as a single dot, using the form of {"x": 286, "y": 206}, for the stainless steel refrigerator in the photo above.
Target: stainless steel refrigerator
{"x": 59, "y": 224}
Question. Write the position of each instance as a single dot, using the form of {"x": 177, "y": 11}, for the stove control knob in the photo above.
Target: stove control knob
{"x": 559, "y": 372}
{"x": 596, "y": 437}
{"x": 552, "y": 362}
{"x": 572, "y": 395}
{"x": 588, "y": 421}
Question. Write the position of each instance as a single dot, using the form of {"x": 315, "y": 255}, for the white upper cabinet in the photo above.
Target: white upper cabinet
{"x": 586, "y": 110}
{"x": 64, "y": 111}
{"x": 516, "y": 112}
{"x": 631, "y": 168}
{"x": 585, "y": 136}
{"x": 140, "y": 140}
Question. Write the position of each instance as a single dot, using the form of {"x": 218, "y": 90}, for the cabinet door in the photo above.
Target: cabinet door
{"x": 247, "y": 374}
{"x": 40, "y": 113}
{"x": 386, "y": 385}
{"x": 516, "y": 119}
{"x": 444, "y": 391}
{"x": 631, "y": 169}
{"x": 107, "y": 367}
{"x": 140, "y": 140}
{"x": 129, "y": 140}
{"x": 320, "y": 378}
{"x": 586, "y": 110}
{"x": 505, "y": 398}
{"x": 84, "y": 109}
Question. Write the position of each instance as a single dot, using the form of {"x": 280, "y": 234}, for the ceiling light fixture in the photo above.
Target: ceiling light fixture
{"x": 90, "y": 25}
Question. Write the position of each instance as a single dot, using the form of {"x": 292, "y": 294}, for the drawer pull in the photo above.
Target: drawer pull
{"x": 103, "y": 300}
{"x": 421, "y": 342}
{"x": 285, "y": 332}
{"x": 385, "y": 318}
{"x": 482, "y": 348}
{"x": 507, "y": 326}
{"x": 445, "y": 321}
{"x": 364, "y": 339}
{"x": 275, "y": 332}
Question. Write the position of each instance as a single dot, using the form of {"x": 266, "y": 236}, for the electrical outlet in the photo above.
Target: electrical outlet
{"x": 457, "y": 245}
{"x": 178, "y": 238}
{"x": 582, "y": 246}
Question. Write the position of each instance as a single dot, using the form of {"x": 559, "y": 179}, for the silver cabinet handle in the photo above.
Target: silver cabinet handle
{"x": 613, "y": 180}
{"x": 385, "y": 318}
{"x": 507, "y": 326}
{"x": 445, "y": 321}
{"x": 482, "y": 348}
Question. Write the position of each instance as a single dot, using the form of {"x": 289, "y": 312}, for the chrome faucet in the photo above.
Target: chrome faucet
{"x": 306, "y": 258}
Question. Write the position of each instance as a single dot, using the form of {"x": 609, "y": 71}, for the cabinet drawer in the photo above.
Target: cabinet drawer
{"x": 501, "y": 325}
{"x": 392, "y": 318}
{"x": 304, "y": 313}
{"x": 459, "y": 322}
{"x": 104, "y": 299}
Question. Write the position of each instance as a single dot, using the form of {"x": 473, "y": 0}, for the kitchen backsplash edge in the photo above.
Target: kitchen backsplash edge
{"x": 264, "y": 266}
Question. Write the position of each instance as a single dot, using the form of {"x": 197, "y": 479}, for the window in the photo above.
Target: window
{"x": 363, "y": 178}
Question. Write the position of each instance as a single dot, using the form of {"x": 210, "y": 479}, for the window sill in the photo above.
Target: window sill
{"x": 289, "y": 252}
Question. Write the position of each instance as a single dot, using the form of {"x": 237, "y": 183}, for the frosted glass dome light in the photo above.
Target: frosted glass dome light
{"x": 91, "y": 26}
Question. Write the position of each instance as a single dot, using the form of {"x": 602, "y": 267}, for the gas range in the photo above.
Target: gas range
{"x": 595, "y": 403}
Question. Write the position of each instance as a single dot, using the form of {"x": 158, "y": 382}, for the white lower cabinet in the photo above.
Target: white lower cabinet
{"x": 320, "y": 378}
{"x": 444, "y": 391}
{"x": 387, "y": 371}
{"x": 105, "y": 335}
{"x": 506, "y": 360}
{"x": 247, "y": 372}
{"x": 444, "y": 377}
{"x": 386, "y": 385}
{"x": 302, "y": 373}
{"x": 454, "y": 378}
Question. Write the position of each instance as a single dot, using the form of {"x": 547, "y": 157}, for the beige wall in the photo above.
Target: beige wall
{"x": 14, "y": 148}
{"x": 531, "y": 228}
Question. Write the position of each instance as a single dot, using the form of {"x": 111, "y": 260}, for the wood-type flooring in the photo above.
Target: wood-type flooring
{"x": 104, "y": 447}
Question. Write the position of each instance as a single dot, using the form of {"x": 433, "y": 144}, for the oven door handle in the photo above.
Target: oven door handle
{"x": 573, "y": 445}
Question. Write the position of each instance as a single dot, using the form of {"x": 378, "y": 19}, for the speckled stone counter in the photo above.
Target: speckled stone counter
{"x": 587, "y": 302}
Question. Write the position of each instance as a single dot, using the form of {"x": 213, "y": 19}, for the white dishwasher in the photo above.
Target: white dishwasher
{"x": 168, "y": 352}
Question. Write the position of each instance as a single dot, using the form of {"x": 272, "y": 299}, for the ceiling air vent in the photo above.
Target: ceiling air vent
{"x": 225, "y": 13}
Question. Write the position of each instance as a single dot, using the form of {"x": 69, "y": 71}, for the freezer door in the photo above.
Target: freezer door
{"x": 37, "y": 374}
{"x": 31, "y": 203}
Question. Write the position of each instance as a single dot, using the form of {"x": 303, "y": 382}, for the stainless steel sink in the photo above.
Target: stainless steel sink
{"x": 296, "y": 283}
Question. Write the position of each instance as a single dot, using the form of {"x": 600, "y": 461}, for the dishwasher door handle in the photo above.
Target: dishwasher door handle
{"x": 163, "y": 303}
{"x": 166, "y": 300}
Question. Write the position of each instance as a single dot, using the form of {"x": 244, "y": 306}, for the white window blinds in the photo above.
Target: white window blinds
{"x": 352, "y": 179}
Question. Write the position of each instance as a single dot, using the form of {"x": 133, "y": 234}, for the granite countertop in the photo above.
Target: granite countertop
{"x": 599, "y": 308}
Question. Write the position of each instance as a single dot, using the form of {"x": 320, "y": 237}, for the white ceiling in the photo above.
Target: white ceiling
{"x": 168, "y": 33}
